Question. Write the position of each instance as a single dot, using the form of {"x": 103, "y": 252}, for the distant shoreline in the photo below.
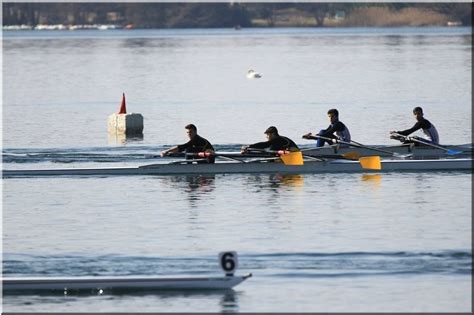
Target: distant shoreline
{"x": 14, "y": 28}
{"x": 72, "y": 16}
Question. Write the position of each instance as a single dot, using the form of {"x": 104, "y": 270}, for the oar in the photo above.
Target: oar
{"x": 347, "y": 156}
{"x": 395, "y": 154}
{"x": 371, "y": 162}
{"x": 366, "y": 162}
{"x": 202, "y": 156}
{"x": 448, "y": 151}
{"x": 296, "y": 158}
{"x": 358, "y": 145}
{"x": 287, "y": 157}
{"x": 319, "y": 157}
{"x": 292, "y": 158}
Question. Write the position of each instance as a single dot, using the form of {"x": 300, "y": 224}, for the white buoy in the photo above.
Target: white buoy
{"x": 123, "y": 123}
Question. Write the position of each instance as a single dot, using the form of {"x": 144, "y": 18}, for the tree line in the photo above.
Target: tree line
{"x": 208, "y": 15}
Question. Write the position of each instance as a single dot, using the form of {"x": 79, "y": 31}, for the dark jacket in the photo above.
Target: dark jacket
{"x": 277, "y": 143}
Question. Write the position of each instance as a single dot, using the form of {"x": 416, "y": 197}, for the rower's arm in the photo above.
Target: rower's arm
{"x": 406, "y": 132}
{"x": 170, "y": 150}
{"x": 261, "y": 145}
{"x": 329, "y": 132}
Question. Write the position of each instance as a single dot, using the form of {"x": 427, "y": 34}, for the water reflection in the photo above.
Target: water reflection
{"x": 225, "y": 301}
{"x": 229, "y": 302}
{"x": 273, "y": 187}
{"x": 420, "y": 40}
{"x": 122, "y": 139}
{"x": 137, "y": 42}
{"x": 150, "y": 43}
{"x": 292, "y": 180}
{"x": 196, "y": 187}
{"x": 394, "y": 40}
{"x": 374, "y": 180}
{"x": 275, "y": 182}
{"x": 199, "y": 188}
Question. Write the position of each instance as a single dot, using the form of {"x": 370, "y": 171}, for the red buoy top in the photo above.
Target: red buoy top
{"x": 123, "y": 109}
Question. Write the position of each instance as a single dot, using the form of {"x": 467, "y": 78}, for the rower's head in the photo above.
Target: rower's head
{"x": 418, "y": 113}
{"x": 191, "y": 130}
{"x": 333, "y": 115}
{"x": 271, "y": 132}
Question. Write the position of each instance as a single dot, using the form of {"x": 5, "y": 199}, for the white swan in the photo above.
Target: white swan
{"x": 251, "y": 74}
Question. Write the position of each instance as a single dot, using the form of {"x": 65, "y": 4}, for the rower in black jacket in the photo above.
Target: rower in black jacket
{"x": 336, "y": 130}
{"x": 195, "y": 144}
{"x": 421, "y": 123}
{"x": 275, "y": 142}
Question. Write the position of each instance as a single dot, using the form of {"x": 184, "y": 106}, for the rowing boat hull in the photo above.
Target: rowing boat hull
{"x": 330, "y": 166}
{"x": 415, "y": 151}
{"x": 123, "y": 283}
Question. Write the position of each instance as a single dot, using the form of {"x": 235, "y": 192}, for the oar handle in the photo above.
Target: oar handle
{"x": 319, "y": 137}
{"x": 316, "y": 137}
{"x": 205, "y": 154}
{"x": 400, "y": 135}
{"x": 193, "y": 154}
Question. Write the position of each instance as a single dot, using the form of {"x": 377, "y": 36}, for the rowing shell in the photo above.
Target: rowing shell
{"x": 329, "y": 166}
{"x": 228, "y": 262}
{"x": 123, "y": 283}
{"x": 406, "y": 149}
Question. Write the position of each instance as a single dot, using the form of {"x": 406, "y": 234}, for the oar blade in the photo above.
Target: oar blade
{"x": 292, "y": 158}
{"x": 453, "y": 152}
{"x": 371, "y": 162}
{"x": 351, "y": 155}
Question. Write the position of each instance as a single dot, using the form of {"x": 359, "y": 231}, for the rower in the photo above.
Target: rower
{"x": 275, "y": 142}
{"x": 195, "y": 144}
{"x": 336, "y": 130}
{"x": 421, "y": 123}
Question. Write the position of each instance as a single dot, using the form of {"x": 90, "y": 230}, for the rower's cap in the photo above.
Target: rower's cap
{"x": 271, "y": 129}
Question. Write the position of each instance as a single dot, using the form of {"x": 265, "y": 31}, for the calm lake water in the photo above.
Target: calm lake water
{"x": 395, "y": 242}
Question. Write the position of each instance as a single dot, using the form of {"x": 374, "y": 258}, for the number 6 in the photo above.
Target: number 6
{"x": 228, "y": 262}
